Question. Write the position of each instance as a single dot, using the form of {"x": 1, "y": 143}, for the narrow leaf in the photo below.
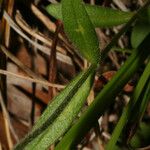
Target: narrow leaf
{"x": 129, "y": 108}
{"x": 145, "y": 15}
{"x": 141, "y": 28}
{"x": 145, "y": 101}
{"x": 100, "y": 16}
{"x": 63, "y": 121}
{"x": 139, "y": 108}
{"x": 61, "y": 106}
{"x": 104, "y": 98}
{"x": 80, "y": 29}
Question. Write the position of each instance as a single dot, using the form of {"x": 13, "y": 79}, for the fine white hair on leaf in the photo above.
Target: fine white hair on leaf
{"x": 53, "y": 1}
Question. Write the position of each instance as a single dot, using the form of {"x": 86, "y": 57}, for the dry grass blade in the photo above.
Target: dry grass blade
{"x": 120, "y": 4}
{"x": 43, "y": 49}
{"x": 19, "y": 63}
{"x": 48, "y": 23}
{"x": 22, "y": 66}
{"x": 7, "y": 73}
{"x": 39, "y": 36}
{"x": 144, "y": 148}
{"x": 18, "y": 30}
{"x": 0, "y": 146}
{"x": 53, "y": 1}
{"x": 8, "y": 134}
{"x": 9, "y": 7}
{"x": 8, "y": 125}
{"x": 45, "y": 20}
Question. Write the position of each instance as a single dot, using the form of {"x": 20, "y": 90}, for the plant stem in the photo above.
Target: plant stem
{"x": 105, "y": 98}
{"x": 127, "y": 110}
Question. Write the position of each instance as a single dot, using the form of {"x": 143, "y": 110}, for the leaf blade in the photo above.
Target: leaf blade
{"x": 103, "y": 99}
{"x": 100, "y": 16}
{"x": 63, "y": 121}
{"x": 140, "y": 31}
{"x": 56, "y": 107}
{"x": 128, "y": 109}
{"x": 80, "y": 30}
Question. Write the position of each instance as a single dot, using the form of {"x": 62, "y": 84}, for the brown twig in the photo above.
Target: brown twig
{"x": 53, "y": 62}
{"x": 51, "y": 27}
{"x": 47, "y": 22}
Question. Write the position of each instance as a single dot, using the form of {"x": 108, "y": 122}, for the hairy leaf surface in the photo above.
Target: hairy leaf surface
{"x": 59, "y": 115}
{"x": 80, "y": 30}
{"x": 100, "y": 16}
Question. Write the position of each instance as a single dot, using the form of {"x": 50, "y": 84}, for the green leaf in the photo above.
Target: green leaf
{"x": 140, "y": 31}
{"x": 80, "y": 30}
{"x": 59, "y": 115}
{"x": 139, "y": 108}
{"x": 148, "y": 15}
{"x": 145, "y": 15}
{"x": 105, "y": 98}
{"x": 129, "y": 108}
{"x": 100, "y": 16}
{"x": 144, "y": 102}
{"x": 141, "y": 28}
{"x": 63, "y": 121}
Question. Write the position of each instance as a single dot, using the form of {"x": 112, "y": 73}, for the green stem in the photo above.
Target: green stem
{"x": 104, "y": 98}
{"x": 127, "y": 110}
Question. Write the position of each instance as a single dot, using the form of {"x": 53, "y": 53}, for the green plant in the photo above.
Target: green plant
{"x": 79, "y": 23}
{"x": 97, "y": 14}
